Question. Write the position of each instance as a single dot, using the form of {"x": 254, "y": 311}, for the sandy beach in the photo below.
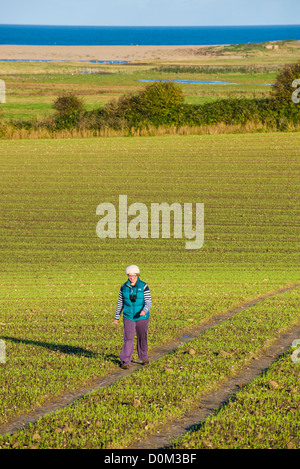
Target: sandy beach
{"x": 127, "y": 53}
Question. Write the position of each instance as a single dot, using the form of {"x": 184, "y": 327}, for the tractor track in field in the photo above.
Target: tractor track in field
{"x": 210, "y": 403}
{"x": 215, "y": 400}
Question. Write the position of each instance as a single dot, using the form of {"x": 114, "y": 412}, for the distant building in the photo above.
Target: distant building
{"x": 271, "y": 46}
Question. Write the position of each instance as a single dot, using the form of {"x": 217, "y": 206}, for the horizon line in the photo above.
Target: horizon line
{"x": 147, "y": 26}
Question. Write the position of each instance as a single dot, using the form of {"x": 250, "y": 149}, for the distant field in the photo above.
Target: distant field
{"x": 31, "y": 88}
{"x": 59, "y": 282}
{"x": 32, "y": 95}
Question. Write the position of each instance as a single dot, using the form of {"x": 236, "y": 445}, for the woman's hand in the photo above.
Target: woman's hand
{"x": 116, "y": 321}
{"x": 142, "y": 313}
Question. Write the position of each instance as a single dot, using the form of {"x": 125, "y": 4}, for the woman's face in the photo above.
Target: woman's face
{"x": 132, "y": 278}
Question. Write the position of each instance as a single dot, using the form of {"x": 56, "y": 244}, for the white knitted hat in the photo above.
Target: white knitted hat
{"x": 132, "y": 269}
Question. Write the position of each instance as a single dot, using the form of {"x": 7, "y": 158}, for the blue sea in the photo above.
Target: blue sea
{"x": 143, "y": 35}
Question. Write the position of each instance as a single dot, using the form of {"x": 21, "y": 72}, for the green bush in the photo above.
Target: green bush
{"x": 282, "y": 89}
{"x": 158, "y": 104}
{"x": 67, "y": 104}
{"x": 230, "y": 111}
{"x": 69, "y": 108}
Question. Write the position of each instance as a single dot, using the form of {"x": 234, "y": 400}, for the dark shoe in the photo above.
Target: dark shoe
{"x": 124, "y": 366}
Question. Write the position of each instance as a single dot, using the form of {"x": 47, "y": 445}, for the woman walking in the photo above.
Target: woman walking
{"x": 135, "y": 301}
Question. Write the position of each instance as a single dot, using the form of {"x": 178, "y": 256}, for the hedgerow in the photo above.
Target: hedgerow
{"x": 162, "y": 104}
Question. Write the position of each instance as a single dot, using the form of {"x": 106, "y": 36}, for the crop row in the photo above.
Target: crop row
{"x": 59, "y": 282}
{"x": 116, "y": 416}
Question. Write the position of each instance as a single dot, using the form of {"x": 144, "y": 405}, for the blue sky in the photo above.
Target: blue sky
{"x": 150, "y": 12}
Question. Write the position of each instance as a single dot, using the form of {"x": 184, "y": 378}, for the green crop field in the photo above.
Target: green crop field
{"x": 59, "y": 281}
{"x": 265, "y": 414}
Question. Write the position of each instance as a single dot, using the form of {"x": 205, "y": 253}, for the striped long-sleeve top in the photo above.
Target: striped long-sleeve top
{"x": 147, "y": 302}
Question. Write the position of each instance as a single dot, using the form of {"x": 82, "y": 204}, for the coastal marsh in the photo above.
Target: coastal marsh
{"x": 33, "y": 86}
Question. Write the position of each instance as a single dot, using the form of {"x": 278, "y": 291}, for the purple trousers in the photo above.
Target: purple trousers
{"x": 141, "y": 328}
